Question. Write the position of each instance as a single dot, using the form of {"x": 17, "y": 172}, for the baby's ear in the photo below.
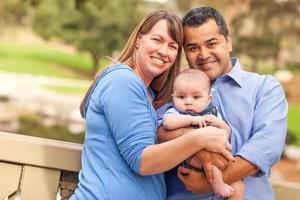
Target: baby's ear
{"x": 209, "y": 98}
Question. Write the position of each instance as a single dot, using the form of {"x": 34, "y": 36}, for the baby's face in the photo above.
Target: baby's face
{"x": 191, "y": 96}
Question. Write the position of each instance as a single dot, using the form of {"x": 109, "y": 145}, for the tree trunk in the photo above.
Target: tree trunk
{"x": 278, "y": 64}
{"x": 236, "y": 8}
{"x": 96, "y": 59}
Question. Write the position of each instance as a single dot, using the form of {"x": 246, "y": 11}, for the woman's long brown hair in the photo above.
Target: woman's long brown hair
{"x": 162, "y": 84}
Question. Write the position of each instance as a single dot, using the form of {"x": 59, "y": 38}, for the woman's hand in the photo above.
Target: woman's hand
{"x": 215, "y": 140}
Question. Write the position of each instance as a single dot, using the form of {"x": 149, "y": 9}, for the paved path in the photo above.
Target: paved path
{"x": 25, "y": 93}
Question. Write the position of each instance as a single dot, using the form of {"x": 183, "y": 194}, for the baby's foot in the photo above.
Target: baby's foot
{"x": 223, "y": 189}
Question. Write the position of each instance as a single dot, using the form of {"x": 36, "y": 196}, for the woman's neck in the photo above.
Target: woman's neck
{"x": 149, "y": 94}
{"x": 146, "y": 80}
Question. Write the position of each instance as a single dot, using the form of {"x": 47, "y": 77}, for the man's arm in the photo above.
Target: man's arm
{"x": 269, "y": 127}
{"x": 197, "y": 182}
{"x": 259, "y": 153}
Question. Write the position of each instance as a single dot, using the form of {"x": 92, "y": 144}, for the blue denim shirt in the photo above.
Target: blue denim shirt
{"x": 256, "y": 109}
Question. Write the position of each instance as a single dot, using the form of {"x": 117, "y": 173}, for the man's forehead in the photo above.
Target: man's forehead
{"x": 207, "y": 29}
{"x": 195, "y": 35}
{"x": 198, "y": 40}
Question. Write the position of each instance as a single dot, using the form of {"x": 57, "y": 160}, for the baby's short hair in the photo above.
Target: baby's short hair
{"x": 192, "y": 75}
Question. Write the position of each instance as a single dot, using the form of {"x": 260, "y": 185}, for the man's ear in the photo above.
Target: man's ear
{"x": 229, "y": 42}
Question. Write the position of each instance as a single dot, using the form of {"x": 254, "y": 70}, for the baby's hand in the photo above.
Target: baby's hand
{"x": 212, "y": 120}
{"x": 198, "y": 121}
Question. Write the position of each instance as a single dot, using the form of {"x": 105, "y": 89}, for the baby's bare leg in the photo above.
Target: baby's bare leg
{"x": 219, "y": 187}
{"x": 239, "y": 189}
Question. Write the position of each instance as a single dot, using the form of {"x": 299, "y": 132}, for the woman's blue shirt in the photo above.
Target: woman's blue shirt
{"x": 120, "y": 124}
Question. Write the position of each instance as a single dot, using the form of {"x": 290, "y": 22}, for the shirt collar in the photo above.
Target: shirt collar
{"x": 235, "y": 73}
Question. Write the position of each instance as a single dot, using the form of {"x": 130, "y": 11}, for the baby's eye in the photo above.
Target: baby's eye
{"x": 197, "y": 97}
{"x": 180, "y": 97}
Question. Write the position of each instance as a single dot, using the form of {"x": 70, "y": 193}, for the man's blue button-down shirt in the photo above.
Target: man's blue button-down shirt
{"x": 256, "y": 109}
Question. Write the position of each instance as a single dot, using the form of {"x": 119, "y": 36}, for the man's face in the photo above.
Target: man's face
{"x": 207, "y": 49}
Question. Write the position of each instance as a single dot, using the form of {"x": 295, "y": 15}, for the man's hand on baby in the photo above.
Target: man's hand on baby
{"x": 192, "y": 180}
{"x": 196, "y": 162}
{"x": 210, "y": 158}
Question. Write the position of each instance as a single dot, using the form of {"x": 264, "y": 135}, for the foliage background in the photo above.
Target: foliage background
{"x": 74, "y": 38}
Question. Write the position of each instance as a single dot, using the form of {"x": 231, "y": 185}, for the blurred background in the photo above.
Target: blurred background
{"x": 51, "y": 49}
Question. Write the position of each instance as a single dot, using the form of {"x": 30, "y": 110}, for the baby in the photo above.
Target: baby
{"x": 192, "y": 98}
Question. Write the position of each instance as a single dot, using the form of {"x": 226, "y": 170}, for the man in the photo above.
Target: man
{"x": 253, "y": 105}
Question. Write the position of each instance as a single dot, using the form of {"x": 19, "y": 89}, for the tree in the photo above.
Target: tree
{"x": 267, "y": 28}
{"x": 261, "y": 29}
{"x": 229, "y": 8}
{"x": 12, "y": 12}
{"x": 99, "y": 27}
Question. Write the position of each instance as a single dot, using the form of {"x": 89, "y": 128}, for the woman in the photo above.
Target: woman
{"x": 120, "y": 157}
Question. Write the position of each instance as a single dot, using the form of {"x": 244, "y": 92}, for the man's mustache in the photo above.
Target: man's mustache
{"x": 205, "y": 61}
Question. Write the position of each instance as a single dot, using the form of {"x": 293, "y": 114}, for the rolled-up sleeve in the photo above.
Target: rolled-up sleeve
{"x": 266, "y": 144}
{"x": 124, "y": 102}
{"x": 161, "y": 112}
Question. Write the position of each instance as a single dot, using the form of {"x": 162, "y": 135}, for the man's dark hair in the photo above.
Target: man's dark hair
{"x": 201, "y": 15}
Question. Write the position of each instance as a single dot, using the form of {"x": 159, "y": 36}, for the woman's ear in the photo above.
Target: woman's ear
{"x": 138, "y": 41}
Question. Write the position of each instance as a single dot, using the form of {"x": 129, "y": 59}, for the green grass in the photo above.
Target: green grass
{"x": 66, "y": 89}
{"x": 31, "y": 125}
{"x": 294, "y": 68}
{"x": 42, "y": 60}
{"x": 294, "y": 123}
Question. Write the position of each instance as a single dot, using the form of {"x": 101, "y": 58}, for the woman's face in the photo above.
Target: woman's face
{"x": 156, "y": 52}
